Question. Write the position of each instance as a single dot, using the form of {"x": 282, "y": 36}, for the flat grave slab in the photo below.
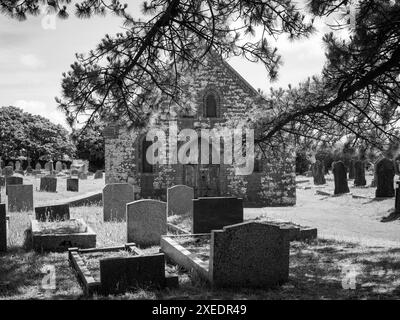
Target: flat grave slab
{"x": 119, "y": 269}
{"x": 61, "y": 235}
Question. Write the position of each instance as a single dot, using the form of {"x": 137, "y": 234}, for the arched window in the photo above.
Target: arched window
{"x": 211, "y": 105}
{"x": 146, "y": 166}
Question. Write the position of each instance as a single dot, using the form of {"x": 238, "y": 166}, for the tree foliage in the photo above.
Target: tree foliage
{"x": 132, "y": 74}
{"x": 89, "y": 144}
{"x": 24, "y": 134}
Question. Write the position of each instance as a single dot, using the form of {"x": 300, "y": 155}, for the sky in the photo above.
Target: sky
{"x": 34, "y": 54}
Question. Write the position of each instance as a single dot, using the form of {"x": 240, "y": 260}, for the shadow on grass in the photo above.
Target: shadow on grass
{"x": 21, "y": 275}
{"x": 317, "y": 271}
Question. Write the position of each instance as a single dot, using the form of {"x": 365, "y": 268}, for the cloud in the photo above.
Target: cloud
{"x": 42, "y": 109}
{"x": 30, "y": 61}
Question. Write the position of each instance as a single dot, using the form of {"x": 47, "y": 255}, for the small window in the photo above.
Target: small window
{"x": 211, "y": 106}
{"x": 146, "y": 166}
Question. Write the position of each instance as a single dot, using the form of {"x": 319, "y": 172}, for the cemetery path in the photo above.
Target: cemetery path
{"x": 341, "y": 218}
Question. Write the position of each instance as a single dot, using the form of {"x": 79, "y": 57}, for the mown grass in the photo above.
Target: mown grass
{"x": 316, "y": 269}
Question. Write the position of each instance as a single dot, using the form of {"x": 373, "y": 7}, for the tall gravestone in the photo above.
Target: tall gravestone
{"x": 98, "y": 174}
{"x": 351, "y": 169}
{"x": 48, "y": 184}
{"x": 397, "y": 199}
{"x": 180, "y": 200}
{"x": 58, "y": 166}
{"x": 340, "y": 177}
{"x": 115, "y": 198}
{"x": 8, "y": 171}
{"x": 3, "y": 228}
{"x": 384, "y": 176}
{"x": 318, "y": 173}
{"x": 10, "y": 181}
{"x": 250, "y": 254}
{"x": 73, "y": 185}
{"x": 146, "y": 221}
{"x": 82, "y": 176}
{"x": 17, "y": 166}
{"x": 359, "y": 173}
{"x": 213, "y": 213}
{"x": 20, "y": 198}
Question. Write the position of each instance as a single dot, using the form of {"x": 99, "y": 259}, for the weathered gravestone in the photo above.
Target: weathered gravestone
{"x": 397, "y": 199}
{"x": 146, "y": 221}
{"x": 2, "y": 182}
{"x": 48, "y": 184}
{"x": 52, "y": 213}
{"x": 384, "y": 176}
{"x": 64, "y": 166}
{"x": 249, "y": 254}
{"x": 58, "y": 166}
{"x": 20, "y": 198}
{"x": 340, "y": 177}
{"x": 29, "y": 169}
{"x": 36, "y": 172}
{"x": 180, "y": 200}
{"x": 17, "y": 165}
{"x": 98, "y": 174}
{"x": 397, "y": 167}
{"x": 359, "y": 173}
{"x": 11, "y": 181}
{"x": 215, "y": 213}
{"x": 318, "y": 171}
{"x": 82, "y": 176}
{"x": 47, "y": 166}
{"x": 3, "y": 228}
{"x": 10, "y": 164}
{"x": 351, "y": 169}
{"x": 38, "y": 166}
{"x": 115, "y": 198}
{"x": 73, "y": 185}
{"x": 8, "y": 171}
{"x": 20, "y": 172}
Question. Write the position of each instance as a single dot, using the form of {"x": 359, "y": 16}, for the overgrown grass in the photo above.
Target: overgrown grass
{"x": 316, "y": 269}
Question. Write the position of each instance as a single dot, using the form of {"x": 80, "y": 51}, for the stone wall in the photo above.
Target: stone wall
{"x": 273, "y": 185}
